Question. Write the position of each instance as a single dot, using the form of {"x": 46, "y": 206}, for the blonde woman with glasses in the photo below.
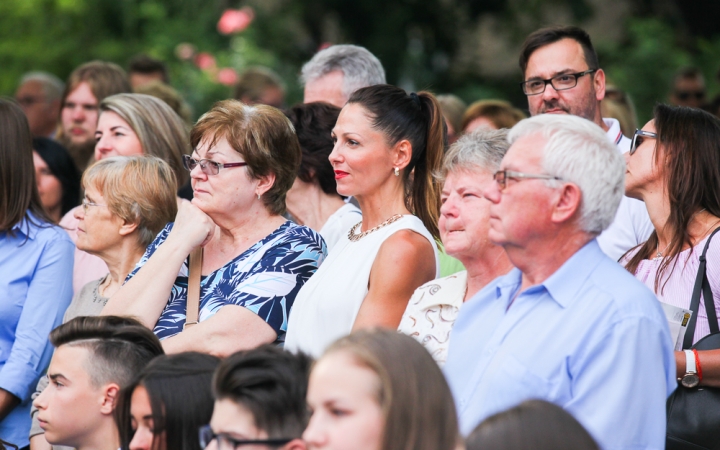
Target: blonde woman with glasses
{"x": 130, "y": 125}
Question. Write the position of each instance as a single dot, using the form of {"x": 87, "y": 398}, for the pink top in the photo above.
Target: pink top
{"x": 87, "y": 267}
{"x": 680, "y": 283}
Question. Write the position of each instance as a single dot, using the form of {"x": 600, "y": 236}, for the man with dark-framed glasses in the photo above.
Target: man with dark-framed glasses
{"x": 562, "y": 75}
{"x": 259, "y": 401}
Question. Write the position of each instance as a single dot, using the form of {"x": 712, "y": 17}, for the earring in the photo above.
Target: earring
{"x": 258, "y": 196}
{"x": 397, "y": 172}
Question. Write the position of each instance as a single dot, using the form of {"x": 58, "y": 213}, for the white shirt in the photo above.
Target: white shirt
{"x": 632, "y": 225}
{"x": 339, "y": 223}
{"x": 327, "y": 305}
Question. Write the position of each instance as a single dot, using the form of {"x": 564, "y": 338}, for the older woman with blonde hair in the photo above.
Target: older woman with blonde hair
{"x": 130, "y": 125}
{"x": 464, "y": 224}
{"x": 254, "y": 261}
{"x": 128, "y": 200}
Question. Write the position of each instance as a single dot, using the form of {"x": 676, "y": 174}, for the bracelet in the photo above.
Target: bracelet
{"x": 697, "y": 364}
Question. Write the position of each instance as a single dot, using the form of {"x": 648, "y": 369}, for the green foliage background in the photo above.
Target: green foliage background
{"x": 415, "y": 39}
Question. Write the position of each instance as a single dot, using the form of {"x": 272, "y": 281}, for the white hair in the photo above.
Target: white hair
{"x": 53, "y": 87}
{"x": 483, "y": 149}
{"x": 579, "y": 152}
{"x": 360, "y": 68}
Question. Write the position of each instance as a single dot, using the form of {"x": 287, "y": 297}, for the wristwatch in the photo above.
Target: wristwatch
{"x": 691, "y": 378}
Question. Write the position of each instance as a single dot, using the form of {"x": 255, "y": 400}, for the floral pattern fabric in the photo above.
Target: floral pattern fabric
{"x": 264, "y": 279}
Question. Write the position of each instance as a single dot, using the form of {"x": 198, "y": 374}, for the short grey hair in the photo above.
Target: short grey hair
{"x": 483, "y": 149}
{"x": 578, "y": 151}
{"x": 360, "y": 68}
{"x": 53, "y": 87}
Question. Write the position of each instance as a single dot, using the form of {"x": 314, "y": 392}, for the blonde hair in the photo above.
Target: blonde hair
{"x": 414, "y": 397}
{"x": 263, "y": 136}
{"x": 138, "y": 189}
{"x": 161, "y": 131}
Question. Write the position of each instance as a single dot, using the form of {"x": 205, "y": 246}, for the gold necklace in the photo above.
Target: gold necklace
{"x": 356, "y": 237}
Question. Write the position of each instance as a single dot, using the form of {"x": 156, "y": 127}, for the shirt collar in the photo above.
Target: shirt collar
{"x": 613, "y": 133}
{"x": 564, "y": 284}
{"x": 26, "y": 226}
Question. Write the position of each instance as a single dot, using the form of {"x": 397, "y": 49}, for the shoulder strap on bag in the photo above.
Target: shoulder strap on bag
{"x": 701, "y": 285}
{"x": 193, "y": 297}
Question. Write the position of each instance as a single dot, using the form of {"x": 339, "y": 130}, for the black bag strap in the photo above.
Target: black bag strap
{"x": 701, "y": 285}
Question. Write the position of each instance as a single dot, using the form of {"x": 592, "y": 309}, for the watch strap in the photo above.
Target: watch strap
{"x": 690, "y": 363}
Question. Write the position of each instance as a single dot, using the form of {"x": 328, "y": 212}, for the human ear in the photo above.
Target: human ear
{"x": 128, "y": 227}
{"x": 265, "y": 182}
{"x": 567, "y": 203}
{"x": 402, "y": 154}
{"x": 110, "y": 396}
{"x": 599, "y": 84}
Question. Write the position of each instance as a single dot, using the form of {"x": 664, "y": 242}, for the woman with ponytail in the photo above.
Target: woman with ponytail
{"x": 388, "y": 145}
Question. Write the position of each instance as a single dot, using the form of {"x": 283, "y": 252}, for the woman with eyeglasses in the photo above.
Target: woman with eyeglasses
{"x": 674, "y": 167}
{"x": 165, "y": 406}
{"x": 388, "y": 146}
{"x": 130, "y": 125}
{"x": 254, "y": 261}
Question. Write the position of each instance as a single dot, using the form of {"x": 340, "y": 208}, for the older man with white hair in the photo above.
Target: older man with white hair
{"x": 568, "y": 324}
{"x": 334, "y": 73}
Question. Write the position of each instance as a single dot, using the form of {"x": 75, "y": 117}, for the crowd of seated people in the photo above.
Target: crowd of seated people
{"x": 370, "y": 269}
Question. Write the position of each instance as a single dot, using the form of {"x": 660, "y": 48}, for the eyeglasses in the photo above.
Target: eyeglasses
{"x": 686, "y": 95}
{"x": 207, "y": 435}
{"x": 561, "y": 82}
{"x": 208, "y": 166}
{"x": 501, "y": 177}
{"x": 86, "y": 204}
{"x": 638, "y": 139}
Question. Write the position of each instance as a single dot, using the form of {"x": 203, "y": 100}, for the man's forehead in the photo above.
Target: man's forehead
{"x": 561, "y": 56}
{"x": 525, "y": 151}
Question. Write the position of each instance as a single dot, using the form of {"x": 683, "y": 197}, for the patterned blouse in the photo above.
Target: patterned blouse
{"x": 264, "y": 279}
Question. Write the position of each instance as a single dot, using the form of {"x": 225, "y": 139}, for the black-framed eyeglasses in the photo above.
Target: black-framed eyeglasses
{"x": 501, "y": 177}
{"x": 639, "y": 138}
{"x": 207, "y": 435}
{"x": 686, "y": 95}
{"x": 560, "y": 82}
{"x": 208, "y": 166}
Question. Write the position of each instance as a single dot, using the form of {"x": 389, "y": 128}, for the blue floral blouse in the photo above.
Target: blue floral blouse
{"x": 264, "y": 279}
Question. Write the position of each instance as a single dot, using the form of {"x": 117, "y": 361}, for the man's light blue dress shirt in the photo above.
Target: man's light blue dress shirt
{"x": 35, "y": 290}
{"x": 591, "y": 338}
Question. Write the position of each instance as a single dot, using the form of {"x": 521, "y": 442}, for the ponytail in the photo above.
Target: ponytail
{"x": 425, "y": 189}
{"x": 417, "y": 118}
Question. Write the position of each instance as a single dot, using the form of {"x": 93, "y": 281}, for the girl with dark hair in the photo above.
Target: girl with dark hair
{"x": 35, "y": 276}
{"x": 534, "y": 424}
{"x": 379, "y": 390}
{"x": 313, "y": 199}
{"x": 674, "y": 167}
{"x": 57, "y": 177}
{"x": 167, "y": 403}
{"x": 388, "y": 145}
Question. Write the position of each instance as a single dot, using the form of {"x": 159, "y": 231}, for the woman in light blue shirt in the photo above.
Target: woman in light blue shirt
{"x": 36, "y": 260}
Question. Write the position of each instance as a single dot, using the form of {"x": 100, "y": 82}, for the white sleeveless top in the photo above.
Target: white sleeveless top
{"x": 326, "y": 306}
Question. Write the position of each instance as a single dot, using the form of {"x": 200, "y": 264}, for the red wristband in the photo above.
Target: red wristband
{"x": 697, "y": 365}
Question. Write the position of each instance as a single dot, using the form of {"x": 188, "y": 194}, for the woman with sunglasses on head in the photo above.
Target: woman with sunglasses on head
{"x": 388, "y": 146}
{"x": 674, "y": 167}
{"x": 130, "y": 125}
{"x": 254, "y": 261}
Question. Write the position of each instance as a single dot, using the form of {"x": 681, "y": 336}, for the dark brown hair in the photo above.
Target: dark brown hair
{"x": 690, "y": 140}
{"x": 417, "y": 118}
{"x": 119, "y": 346}
{"x": 263, "y": 136}
{"x": 550, "y": 35}
{"x": 313, "y": 124}
{"x": 271, "y": 384}
{"x": 18, "y": 188}
{"x": 534, "y": 424}
{"x": 147, "y": 65}
{"x": 179, "y": 389}
{"x": 415, "y": 398}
